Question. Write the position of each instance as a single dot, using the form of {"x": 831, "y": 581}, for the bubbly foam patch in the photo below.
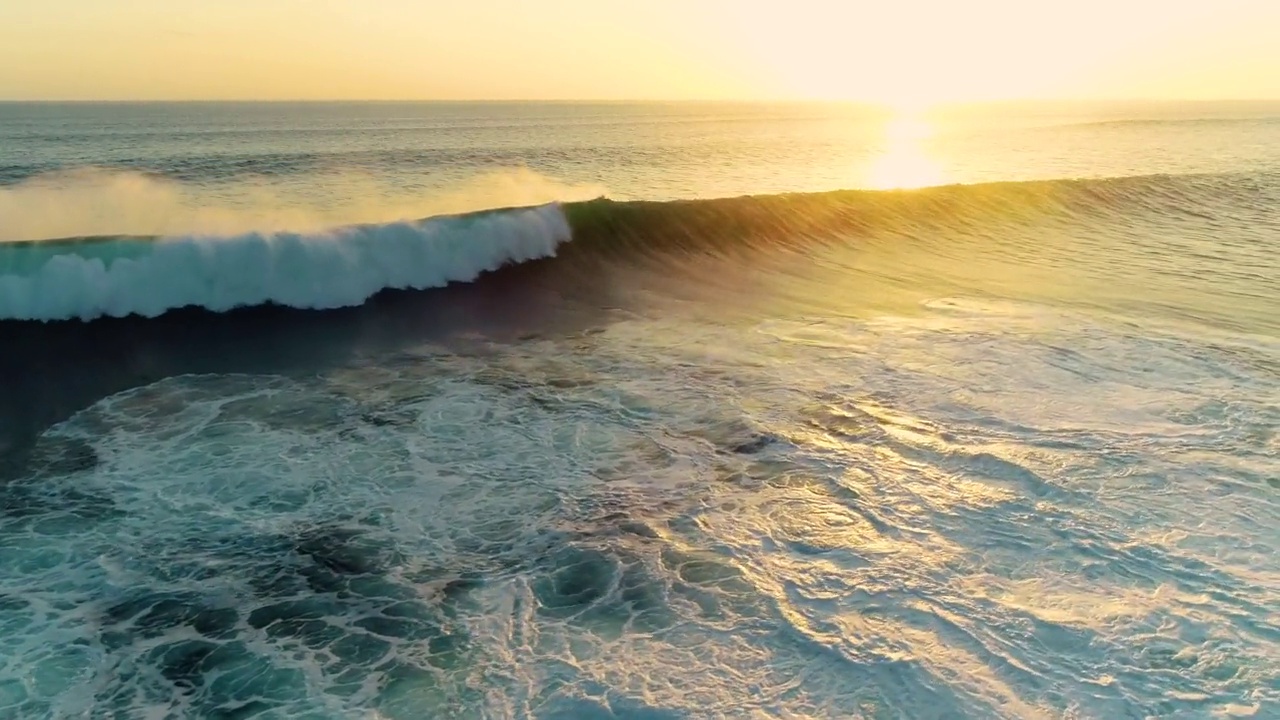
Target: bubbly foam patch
{"x": 377, "y": 541}
{"x": 336, "y": 268}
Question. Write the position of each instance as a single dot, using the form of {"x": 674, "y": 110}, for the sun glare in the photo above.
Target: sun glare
{"x": 902, "y": 160}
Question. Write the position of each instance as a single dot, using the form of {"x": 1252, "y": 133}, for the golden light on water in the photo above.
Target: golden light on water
{"x": 902, "y": 161}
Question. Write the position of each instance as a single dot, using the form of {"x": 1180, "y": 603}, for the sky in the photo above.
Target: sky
{"x": 898, "y": 52}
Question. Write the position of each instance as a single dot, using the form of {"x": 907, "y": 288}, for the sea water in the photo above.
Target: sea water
{"x": 954, "y": 415}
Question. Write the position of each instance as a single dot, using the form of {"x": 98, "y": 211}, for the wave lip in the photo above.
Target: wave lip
{"x": 343, "y": 267}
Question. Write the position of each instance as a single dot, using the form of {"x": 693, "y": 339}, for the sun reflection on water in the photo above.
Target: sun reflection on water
{"x": 901, "y": 161}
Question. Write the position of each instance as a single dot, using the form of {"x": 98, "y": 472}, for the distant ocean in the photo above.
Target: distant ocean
{"x": 643, "y": 411}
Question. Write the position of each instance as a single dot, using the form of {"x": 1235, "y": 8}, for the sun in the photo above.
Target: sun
{"x": 902, "y": 159}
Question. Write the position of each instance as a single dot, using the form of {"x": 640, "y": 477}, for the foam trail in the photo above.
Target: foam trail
{"x": 336, "y": 268}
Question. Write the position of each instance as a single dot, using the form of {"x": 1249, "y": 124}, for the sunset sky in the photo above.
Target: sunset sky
{"x": 901, "y": 52}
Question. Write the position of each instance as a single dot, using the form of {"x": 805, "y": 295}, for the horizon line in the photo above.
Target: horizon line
{"x": 624, "y": 101}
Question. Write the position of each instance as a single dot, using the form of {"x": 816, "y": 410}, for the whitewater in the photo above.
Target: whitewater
{"x": 638, "y": 411}
{"x": 115, "y": 277}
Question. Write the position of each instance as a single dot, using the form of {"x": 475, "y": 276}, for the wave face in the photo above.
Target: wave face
{"x": 115, "y": 277}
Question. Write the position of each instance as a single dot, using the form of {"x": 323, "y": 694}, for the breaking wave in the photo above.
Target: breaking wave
{"x": 93, "y": 277}
{"x": 96, "y": 277}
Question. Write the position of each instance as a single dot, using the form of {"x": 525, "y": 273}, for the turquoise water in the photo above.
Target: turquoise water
{"x": 1001, "y": 449}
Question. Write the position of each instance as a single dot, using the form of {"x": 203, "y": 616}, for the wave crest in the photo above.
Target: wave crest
{"x": 94, "y": 201}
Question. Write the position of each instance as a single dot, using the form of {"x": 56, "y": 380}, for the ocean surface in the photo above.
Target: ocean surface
{"x": 639, "y": 411}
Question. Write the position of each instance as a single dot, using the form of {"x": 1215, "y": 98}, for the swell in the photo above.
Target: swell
{"x": 800, "y": 217}
{"x": 88, "y": 278}
{"x": 201, "y": 168}
{"x": 1266, "y": 115}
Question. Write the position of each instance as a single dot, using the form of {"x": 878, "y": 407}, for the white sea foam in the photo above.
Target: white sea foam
{"x": 336, "y": 268}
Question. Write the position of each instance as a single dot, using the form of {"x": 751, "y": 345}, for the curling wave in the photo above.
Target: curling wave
{"x": 96, "y": 277}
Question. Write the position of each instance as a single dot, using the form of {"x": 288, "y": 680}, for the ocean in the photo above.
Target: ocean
{"x": 647, "y": 411}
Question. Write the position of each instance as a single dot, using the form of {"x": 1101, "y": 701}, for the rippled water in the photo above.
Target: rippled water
{"x": 1000, "y": 452}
